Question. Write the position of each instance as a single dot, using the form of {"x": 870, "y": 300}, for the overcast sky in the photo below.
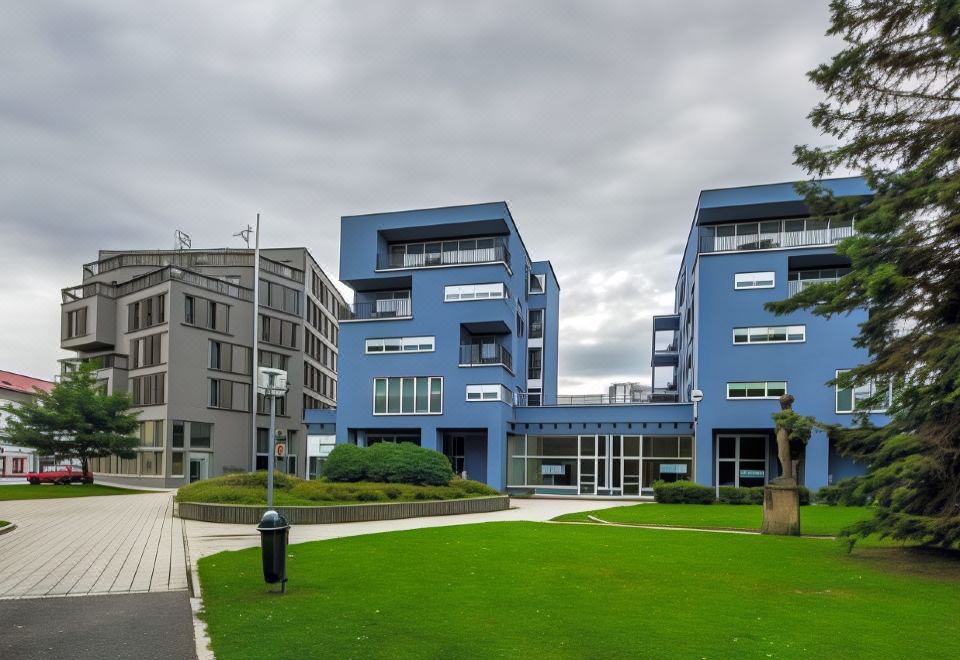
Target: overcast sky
{"x": 599, "y": 122}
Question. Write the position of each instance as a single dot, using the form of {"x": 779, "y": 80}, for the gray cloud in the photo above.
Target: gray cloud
{"x": 599, "y": 122}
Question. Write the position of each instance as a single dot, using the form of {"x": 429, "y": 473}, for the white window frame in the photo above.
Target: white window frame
{"x": 758, "y": 331}
{"x": 471, "y": 292}
{"x": 400, "y": 379}
{"x": 751, "y": 279}
{"x": 853, "y": 397}
{"x": 404, "y": 344}
{"x": 491, "y": 392}
{"x": 766, "y": 388}
{"x": 542, "y": 279}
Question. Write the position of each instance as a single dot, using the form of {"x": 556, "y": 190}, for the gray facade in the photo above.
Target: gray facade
{"x": 175, "y": 330}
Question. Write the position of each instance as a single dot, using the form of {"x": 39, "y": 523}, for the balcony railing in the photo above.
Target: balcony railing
{"x": 654, "y": 396}
{"x": 475, "y": 355}
{"x": 799, "y": 280}
{"x": 152, "y": 279}
{"x": 379, "y": 310}
{"x": 444, "y": 253}
{"x": 770, "y": 234}
{"x": 190, "y": 259}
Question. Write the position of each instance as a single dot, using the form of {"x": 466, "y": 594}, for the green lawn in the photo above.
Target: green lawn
{"x": 815, "y": 520}
{"x": 519, "y": 589}
{"x": 51, "y": 491}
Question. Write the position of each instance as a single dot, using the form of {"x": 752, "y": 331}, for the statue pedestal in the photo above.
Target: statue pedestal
{"x": 781, "y": 508}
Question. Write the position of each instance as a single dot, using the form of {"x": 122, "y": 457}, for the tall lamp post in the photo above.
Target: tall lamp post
{"x": 271, "y": 383}
{"x": 274, "y": 528}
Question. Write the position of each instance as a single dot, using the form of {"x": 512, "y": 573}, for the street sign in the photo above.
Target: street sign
{"x": 281, "y": 449}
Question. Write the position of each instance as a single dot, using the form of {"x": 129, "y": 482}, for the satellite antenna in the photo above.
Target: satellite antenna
{"x": 181, "y": 240}
{"x": 244, "y": 235}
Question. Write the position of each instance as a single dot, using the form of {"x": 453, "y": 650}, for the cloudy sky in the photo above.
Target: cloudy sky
{"x": 598, "y": 121}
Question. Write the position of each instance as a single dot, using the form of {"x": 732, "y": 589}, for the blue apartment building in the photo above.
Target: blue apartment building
{"x": 452, "y": 343}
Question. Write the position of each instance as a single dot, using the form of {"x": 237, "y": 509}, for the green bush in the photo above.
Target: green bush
{"x": 682, "y": 492}
{"x": 754, "y": 495}
{"x": 804, "y": 495}
{"x": 386, "y": 462}
{"x": 346, "y": 463}
{"x": 844, "y": 492}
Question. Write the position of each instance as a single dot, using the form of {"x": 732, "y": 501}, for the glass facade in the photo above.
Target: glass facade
{"x": 612, "y": 465}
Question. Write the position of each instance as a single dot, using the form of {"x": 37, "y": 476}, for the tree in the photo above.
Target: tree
{"x": 893, "y": 96}
{"x": 76, "y": 420}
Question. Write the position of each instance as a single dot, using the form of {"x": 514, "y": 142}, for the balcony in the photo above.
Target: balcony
{"x": 444, "y": 253}
{"x": 799, "y": 280}
{"x": 482, "y": 355}
{"x": 772, "y": 234}
{"x": 379, "y": 310}
{"x": 659, "y": 395}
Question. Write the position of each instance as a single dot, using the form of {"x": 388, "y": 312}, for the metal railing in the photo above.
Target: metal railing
{"x": 190, "y": 259}
{"x": 769, "y": 234}
{"x": 148, "y": 280}
{"x": 796, "y": 286}
{"x": 378, "y": 310}
{"x": 654, "y": 396}
{"x": 485, "y": 354}
{"x": 445, "y": 256}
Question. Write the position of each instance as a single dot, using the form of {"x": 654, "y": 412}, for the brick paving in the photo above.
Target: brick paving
{"x": 92, "y": 545}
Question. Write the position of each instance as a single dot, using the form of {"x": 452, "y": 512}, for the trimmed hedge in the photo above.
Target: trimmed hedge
{"x": 250, "y": 488}
{"x": 687, "y": 492}
{"x": 386, "y": 462}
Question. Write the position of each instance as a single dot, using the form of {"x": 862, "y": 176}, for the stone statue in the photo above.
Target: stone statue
{"x": 787, "y": 477}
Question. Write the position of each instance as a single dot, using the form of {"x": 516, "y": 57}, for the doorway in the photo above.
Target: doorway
{"x": 199, "y": 469}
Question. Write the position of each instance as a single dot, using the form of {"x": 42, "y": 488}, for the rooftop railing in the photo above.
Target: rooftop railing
{"x": 476, "y": 355}
{"x": 190, "y": 259}
{"x": 148, "y": 280}
{"x": 653, "y": 396}
{"x": 444, "y": 253}
{"x": 771, "y": 234}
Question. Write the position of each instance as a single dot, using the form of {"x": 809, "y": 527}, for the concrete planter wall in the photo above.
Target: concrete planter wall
{"x": 322, "y": 515}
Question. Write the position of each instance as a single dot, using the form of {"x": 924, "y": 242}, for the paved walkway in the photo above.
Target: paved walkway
{"x": 91, "y": 545}
{"x": 210, "y": 538}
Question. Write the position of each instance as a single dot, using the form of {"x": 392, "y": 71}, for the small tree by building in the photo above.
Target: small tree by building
{"x": 76, "y": 420}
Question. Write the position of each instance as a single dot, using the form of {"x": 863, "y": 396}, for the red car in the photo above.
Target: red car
{"x": 60, "y": 475}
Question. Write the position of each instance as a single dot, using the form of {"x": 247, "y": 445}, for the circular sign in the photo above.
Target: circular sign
{"x": 281, "y": 448}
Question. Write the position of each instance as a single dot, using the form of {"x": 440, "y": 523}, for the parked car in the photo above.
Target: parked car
{"x": 60, "y": 475}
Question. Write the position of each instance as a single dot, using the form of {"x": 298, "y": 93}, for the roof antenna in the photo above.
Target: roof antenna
{"x": 244, "y": 235}
{"x": 181, "y": 240}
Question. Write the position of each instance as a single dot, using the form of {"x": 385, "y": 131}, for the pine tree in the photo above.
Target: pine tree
{"x": 892, "y": 102}
{"x": 76, "y": 420}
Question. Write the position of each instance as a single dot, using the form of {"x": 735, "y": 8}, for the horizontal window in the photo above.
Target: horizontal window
{"x": 862, "y": 398}
{"x": 770, "y": 334}
{"x": 408, "y": 396}
{"x": 757, "y": 390}
{"x": 475, "y": 292}
{"x": 400, "y": 345}
{"x": 148, "y": 390}
{"x": 493, "y": 392}
{"x": 759, "y": 280}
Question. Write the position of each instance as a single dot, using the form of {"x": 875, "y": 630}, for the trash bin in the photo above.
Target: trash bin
{"x": 274, "y": 532}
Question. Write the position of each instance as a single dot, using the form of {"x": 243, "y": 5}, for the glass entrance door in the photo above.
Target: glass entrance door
{"x": 198, "y": 467}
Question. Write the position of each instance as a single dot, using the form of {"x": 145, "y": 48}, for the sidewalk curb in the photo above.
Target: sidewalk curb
{"x": 6, "y": 529}
{"x": 201, "y": 639}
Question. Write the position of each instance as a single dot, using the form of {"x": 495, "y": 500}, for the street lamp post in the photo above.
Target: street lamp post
{"x": 272, "y": 383}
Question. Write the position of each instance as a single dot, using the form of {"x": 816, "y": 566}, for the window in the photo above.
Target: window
{"x": 534, "y": 363}
{"x": 536, "y": 283}
{"x": 76, "y": 325}
{"x": 534, "y": 396}
{"x": 229, "y": 395}
{"x": 229, "y": 357}
{"x": 760, "y": 280}
{"x": 859, "y": 398}
{"x": 489, "y": 393}
{"x": 273, "y": 360}
{"x": 408, "y": 396}
{"x": 777, "y": 334}
{"x": 151, "y": 433}
{"x": 145, "y": 351}
{"x": 742, "y": 460}
{"x": 263, "y": 405}
{"x": 536, "y": 324}
{"x": 443, "y": 253}
{"x": 178, "y": 435}
{"x": 176, "y": 464}
{"x": 146, "y": 313}
{"x": 200, "y": 435}
{"x": 757, "y": 390}
{"x": 189, "y": 309}
{"x": 277, "y": 296}
{"x": 147, "y": 390}
{"x": 462, "y": 292}
{"x": 206, "y": 314}
{"x": 278, "y": 331}
{"x": 400, "y": 345}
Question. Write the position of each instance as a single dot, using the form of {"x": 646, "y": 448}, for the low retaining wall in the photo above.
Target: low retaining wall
{"x": 343, "y": 513}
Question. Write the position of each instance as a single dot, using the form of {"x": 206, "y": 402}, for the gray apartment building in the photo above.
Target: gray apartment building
{"x": 175, "y": 330}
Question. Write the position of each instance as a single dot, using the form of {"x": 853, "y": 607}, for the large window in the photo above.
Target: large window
{"x": 145, "y": 351}
{"x": 229, "y": 395}
{"x": 757, "y": 390}
{"x": 148, "y": 390}
{"x": 534, "y": 363}
{"x": 536, "y": 323}
{"x": 229, "y": 357}
{"x": 201, "y": 435}
{"x": 76, "y": 325}
{"x": 860, "y": 398}
{"x": 206, "y": 314}
{"x": 146, "y": 313}
{"x": 408, "y": 396}
{"x": 742, "y": 460}
{"x": 400, "y": 345}
{"x": 493, "y": 392}
{"x": 279, "y": 331}
{"x": 774, "y": 334}
{"x": 462, "y": 292}
{"x": 759, "y": 280}
{"x": 277, "y": 296}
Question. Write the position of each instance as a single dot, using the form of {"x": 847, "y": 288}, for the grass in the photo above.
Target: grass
{"x": 814, "y": 520}
{"x": 519, "y": 589}
{"x": 51, "y": 491}
{"x": 250, "y": 488}
{"x": 3, "y": 523}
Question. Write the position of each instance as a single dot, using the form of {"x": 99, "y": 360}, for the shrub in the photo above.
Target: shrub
{"x": 754, "y": 495}
{"x": 386, "y": 462}
{"x": 804, "y": 495}
{"x": 844, "y": 492}
{"x": 346, "y": 463}
{"x": 682, "y": 492}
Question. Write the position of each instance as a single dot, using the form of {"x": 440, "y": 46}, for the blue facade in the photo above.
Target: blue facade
{"x": 760, "y": 230}
{"x": 452, "y": 342}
